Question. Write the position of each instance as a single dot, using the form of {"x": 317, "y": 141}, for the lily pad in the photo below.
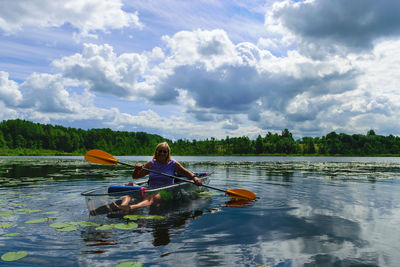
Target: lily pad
{"x": 149, "y": 217}
{"x": 123, "y": 226}
{"x": 27, "y": 211}
{"x": 87, "y": 224}
{"x": 7, "y": 213}
{"x": 60, "y": 225}
{"x": 47, "y": 219}
{"x": 64, "y": 226}
{"x": 5, "y": 225}
{"x": 37, "y": 220}
{"x": 12, "y": 234}
{"x": 129, "y": 264}
{"x": 14, "y": 256}
{"x": 70, "y": 228}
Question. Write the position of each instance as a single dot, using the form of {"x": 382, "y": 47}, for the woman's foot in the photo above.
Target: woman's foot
{"x": 122, "y": 207}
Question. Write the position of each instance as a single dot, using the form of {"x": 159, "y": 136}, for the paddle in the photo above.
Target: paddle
{"x": 101, "y": 157}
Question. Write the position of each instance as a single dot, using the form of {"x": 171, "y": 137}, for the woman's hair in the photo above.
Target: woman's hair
{"x": 163, "y": 145}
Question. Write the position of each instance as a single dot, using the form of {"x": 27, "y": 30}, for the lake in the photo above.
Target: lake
{"x": 311, "y": 211}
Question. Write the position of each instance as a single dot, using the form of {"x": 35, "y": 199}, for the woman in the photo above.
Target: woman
{"x": 161, "y": 162}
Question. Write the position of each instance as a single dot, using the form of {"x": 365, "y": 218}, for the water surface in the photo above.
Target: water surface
{"x": 310, "y": 212}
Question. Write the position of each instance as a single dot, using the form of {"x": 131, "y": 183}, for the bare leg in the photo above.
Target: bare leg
{"x": 131, "y": 184}
{"x": 150, "y": 200}
{"x": 125, "y": 201}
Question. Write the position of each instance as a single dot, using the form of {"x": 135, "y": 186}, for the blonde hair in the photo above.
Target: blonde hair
{"x": 163, "y": 144}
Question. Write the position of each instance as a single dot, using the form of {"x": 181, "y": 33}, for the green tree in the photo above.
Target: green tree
{"x": 9, "y": 140}
{"x": 20, "y": 141}
{"x": 308, "y": 146}
{"x": 370, "y": 133}
{"x": 286, "y": 143}
{"x": 242, "y": 145}
{"x": 3, "y": 143}
{"x": 259, "y": 145}
{"x": 332, "y": 143}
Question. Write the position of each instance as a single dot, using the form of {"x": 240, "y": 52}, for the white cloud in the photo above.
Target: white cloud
{"x": 105, "y": 72}
{"x": 47, "y": 93}
{"x": 9, "y": 91}
{"x": 7, "y": 113}
{"x": 376, "y": 102}
{"x": 319, "y": 28}
{"x": 88, "y": 16}
{"x": 152, "y": 122}
{"x": 214, "y": 80}
{"x": 211, "y": 48}
{"x": 234, "y": 81}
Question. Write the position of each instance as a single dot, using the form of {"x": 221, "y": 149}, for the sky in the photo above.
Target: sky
{"x": 202, "y": 69}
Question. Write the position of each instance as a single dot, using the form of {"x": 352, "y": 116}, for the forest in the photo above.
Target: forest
{"x": 21, "y": 137}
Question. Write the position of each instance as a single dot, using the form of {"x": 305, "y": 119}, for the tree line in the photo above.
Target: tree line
{"x": 28, "y": 137}
{"x": 21, "y": 134}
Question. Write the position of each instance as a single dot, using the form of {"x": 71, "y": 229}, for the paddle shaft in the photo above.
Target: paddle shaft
{"x": 165, "y": 174}
{"x": 173, "y": 176}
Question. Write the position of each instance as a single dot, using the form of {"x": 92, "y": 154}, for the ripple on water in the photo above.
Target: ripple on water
{"x": 307, "y": 212}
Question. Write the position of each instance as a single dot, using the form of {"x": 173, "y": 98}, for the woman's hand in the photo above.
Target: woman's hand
{"x": 137, "y": 171}
{"x": 120, "y": 207}
{"x": 138, "y": 166}
{"x": 197, "y": 181}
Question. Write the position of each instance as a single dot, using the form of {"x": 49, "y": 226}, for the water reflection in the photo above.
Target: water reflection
{"x": 97, "y": 242}
{"x": 176, "y": 214}
{"x": 309, "y": 213}
{"x": 240, "y": 203}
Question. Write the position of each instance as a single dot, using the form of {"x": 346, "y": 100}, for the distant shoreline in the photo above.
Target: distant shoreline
{"x": 35, "y": 152}
{"x": 25, "y": 138}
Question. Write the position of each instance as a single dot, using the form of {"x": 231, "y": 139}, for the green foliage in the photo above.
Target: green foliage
{"x": 357, "y": 144}
{"x": 3, "y": 143}
{"x": 19, "y": 137}
{"x": 26, "y": 138}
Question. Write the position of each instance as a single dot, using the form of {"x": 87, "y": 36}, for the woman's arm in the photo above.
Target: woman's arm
{"x": 139, "y": 172}
{"x": 186, "y": 173}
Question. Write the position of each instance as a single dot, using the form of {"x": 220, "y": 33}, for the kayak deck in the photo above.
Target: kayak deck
{"x": 99, "y": 200}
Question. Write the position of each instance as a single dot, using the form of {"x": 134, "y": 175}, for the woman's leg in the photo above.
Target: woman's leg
{"x": 147, "y": 201}
{"x": 126, "y": 200}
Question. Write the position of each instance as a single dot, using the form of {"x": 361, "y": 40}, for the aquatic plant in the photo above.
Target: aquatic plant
{"x": 137, "y": 217}
{"x": 128, "y": 226}
{"x": 14, "y": 256}
{"x": 129, "y": 264}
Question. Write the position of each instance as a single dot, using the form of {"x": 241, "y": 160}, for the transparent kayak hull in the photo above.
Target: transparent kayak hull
{"x": 99, "y": 200}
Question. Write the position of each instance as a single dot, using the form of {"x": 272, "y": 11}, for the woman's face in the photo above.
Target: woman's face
{"x": 162, "y": 153}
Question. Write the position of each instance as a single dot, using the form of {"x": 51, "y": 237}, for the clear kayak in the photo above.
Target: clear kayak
{"x": 99, "y": 200}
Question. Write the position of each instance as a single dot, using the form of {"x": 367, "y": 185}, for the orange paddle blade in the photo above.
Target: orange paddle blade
{"x": 100, "y": 157}
{"x": 241, "y": 194}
